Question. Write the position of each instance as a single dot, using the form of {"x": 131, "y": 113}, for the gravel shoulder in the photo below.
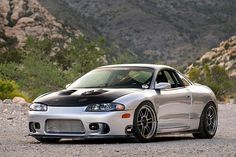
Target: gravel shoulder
{"x": 15, "y": 142}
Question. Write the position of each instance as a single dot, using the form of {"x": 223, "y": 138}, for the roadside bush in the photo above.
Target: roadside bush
{"x": 39, "y": 75}
{"x": 10, "y": 56}
{"x": 195, "y": 75}
{"x": 84, "y": 55}
{"x": 10, "y": 71}
{"x": 9, "y": 89}
{"x": 42, "y": 69}
{"x": 47, "y": 65}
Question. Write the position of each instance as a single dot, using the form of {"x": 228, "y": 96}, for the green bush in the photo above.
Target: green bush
{"x": 195, "y": 75}
{"x": 85, "y": 55}
{"x": 47, "y": 65}
{"x": 10, "y": 71}
{"x": 39, "y": 72}
{"x": 40, "y": 75}
{"x": 9, "y": 89}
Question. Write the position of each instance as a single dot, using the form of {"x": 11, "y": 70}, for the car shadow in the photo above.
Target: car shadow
{"x": 123, "y": 140}
{"x": 168, "y": 138}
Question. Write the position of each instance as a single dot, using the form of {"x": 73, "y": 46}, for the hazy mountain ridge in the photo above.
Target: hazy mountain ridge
{"x": 224, "y": 55}
{"x": 157, "y": 30}
{"x": 23, "y": 18}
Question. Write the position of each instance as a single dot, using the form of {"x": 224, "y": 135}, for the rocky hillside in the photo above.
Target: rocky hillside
{"x": 174, "y": 31}
{"x": 224, "y": 55}
{"x": 22, "y": 18}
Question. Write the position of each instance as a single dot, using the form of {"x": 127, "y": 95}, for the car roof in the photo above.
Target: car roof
{"x": 154, "y": 66}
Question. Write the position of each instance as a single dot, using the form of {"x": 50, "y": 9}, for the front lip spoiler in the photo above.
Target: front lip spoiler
{"x": 83, "y": 137}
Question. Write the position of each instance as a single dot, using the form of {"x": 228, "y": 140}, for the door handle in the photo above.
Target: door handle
{"x": 188, "y": 96}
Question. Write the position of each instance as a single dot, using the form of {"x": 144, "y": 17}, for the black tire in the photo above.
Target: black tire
{"x": 47, "y": 140}
{"x": 208, "y": 126}
{"x": 145, "y": 124}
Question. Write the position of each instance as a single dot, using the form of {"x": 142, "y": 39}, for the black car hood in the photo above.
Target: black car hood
{"x": 83, "y": 97}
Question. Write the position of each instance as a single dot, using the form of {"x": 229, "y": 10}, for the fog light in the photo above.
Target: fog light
{"x": 128, "y": 130}
{"x": 93, "y": 126}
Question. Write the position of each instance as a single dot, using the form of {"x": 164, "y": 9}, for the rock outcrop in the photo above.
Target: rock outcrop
{"x": 224, "y": 55}
{"x": 23, "y": 18}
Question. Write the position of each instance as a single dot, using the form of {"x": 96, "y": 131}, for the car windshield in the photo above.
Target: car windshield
{"x": 115, "y": 78}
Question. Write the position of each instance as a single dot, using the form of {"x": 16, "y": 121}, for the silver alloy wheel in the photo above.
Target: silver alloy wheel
{"x": 146, "y": 121}
{"x": 211, "y": 118}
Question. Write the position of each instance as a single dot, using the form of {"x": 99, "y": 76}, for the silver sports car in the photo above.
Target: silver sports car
{"x": 127, "y": 100}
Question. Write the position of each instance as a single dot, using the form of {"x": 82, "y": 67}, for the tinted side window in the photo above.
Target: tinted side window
{"x": 161, "y": 77}
{"x": 178, "y": 82}
{"x": 185, "y": 82}
{"x": 170, "y": 77}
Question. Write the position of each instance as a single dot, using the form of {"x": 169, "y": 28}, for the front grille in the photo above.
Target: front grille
{"x": 62, "y": 126}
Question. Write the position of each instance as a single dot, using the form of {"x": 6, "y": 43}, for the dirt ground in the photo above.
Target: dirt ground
{"x": 15, "y": 142}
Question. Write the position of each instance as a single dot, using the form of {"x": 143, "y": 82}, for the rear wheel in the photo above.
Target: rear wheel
{"x": 145, "y": 122}
{"x": 208, "y": 122}
{"x": 47, "y": 140}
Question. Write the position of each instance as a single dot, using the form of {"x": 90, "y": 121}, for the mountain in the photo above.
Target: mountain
{"x": 156, "y": 30}
{"x": 224, "y": 55}
{"x": 22, "y": 18}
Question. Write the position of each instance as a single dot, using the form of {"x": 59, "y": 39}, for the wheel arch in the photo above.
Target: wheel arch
{"x": 210, "y": 102}
{"x": 151, "y": 103}
{"x": 202, "y": 133}
{"x": 135, "y": 128}
{"x": 213, "y": 103}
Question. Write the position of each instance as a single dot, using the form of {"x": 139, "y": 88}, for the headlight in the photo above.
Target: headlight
{"x": 105, "y": 107}
{"x": 38, "y": 107}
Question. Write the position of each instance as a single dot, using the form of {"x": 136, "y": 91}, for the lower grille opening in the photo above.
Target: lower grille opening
{"x": 106, "y": 129}
{"x": 61, "y": 126}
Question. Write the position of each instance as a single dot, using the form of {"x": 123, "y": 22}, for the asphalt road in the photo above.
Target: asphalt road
{"x": 14, "y": 141}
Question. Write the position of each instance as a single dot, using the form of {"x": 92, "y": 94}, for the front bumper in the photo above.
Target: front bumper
{"x": 117, "y": 125}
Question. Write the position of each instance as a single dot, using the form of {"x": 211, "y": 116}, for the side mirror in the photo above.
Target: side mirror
{"x": 68, "y": 85}
{"x": 162, "y": 85}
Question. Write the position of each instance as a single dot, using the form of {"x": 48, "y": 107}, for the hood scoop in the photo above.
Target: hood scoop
{"x": 94, "y": 92}
{"x": 67, "y": 92}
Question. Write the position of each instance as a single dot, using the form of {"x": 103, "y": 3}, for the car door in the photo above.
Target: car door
{"x": 174, "y": 103}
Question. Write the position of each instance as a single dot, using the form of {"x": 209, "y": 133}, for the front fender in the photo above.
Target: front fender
{"x": 133, "y": 100}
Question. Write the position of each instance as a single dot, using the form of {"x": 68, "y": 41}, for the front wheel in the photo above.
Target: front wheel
{"x": 145, "y": 122}
{"x": 208, "y": 122}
